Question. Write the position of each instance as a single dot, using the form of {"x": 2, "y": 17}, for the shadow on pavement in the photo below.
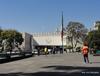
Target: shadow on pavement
{"x": 73, "y": 69}
{"x": 12, "y": 59}
{"x": 61, "y": 71}
{"x": 95, "y": 62}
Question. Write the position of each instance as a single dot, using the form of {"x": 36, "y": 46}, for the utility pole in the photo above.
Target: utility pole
{"x": 62, "y": 34}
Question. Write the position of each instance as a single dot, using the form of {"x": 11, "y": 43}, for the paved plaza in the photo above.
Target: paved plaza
{"x": 52, "y": 65}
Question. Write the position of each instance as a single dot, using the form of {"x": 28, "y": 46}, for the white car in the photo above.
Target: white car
{"x": 35, "y": 51}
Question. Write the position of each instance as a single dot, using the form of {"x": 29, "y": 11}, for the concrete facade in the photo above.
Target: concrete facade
{"x": 27, "y": 43}
{"x": 49, "y": 39}
{"x": 44, "y": 39}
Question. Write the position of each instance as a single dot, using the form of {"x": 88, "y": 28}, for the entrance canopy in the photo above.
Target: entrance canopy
{"x": 48, "y": 39}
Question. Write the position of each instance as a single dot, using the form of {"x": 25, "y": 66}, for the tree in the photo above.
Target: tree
{"x": 0, "y": 31}
{"x": 69, "y": 47}
{"x": 76, "y": 33}
{"x": 94, "y": 35}
{"x": 13, "y": 37}
{"x": 0, "y": 37}
{"x": 97, "y": 25}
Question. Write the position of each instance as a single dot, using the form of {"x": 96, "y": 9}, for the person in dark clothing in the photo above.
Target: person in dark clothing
{"x": 38, "y": 50}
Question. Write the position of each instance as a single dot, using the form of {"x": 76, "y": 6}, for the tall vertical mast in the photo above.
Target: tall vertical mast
{"x": 62, "y": 34}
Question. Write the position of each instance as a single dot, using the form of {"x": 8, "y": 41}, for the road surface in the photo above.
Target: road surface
{"x": 52, "y": 65}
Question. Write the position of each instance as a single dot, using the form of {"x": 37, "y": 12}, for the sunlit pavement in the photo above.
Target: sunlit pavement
{"x": 51, "y": 65}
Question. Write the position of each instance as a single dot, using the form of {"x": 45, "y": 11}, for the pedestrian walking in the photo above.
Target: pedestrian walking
{"x": 46, "y": 50}
{"x": 38, "y": 51}
{"x": 85, "y": 51}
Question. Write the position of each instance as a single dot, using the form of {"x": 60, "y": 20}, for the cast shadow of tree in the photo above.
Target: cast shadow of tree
{"x": 61, "y": 71}
{"x": 2, "y": 61}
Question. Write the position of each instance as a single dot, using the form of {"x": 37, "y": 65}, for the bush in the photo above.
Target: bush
{"x": 78, "y": 49}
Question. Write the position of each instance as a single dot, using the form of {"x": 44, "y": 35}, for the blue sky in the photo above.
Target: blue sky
{"x": 45, "y": 15}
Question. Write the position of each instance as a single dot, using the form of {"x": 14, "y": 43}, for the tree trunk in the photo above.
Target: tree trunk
{"x": 72, "y": 44}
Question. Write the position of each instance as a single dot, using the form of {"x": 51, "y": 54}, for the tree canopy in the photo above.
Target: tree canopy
{"x": 94, "y": 35}
{"x": 13, "y": 37}
{"x": 76, "y": 33}
{"x": 0, "y": 36}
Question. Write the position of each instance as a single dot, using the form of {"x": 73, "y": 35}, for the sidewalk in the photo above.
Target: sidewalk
{"x": 52, "y": 65}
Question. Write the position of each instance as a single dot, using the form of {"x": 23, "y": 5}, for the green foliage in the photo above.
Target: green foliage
{"x": 12, "y": 35}
{"x": 94, "y": 36}
{"x": 13, "y": 38}
{"x": 78, "y": 49}
{"x": 0, "y": 31}
{"x": 18, "y": 38}
{"x": 98, "y": 25}
{"x": 69, "y": 47}
{"x": 0, "y": 37}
